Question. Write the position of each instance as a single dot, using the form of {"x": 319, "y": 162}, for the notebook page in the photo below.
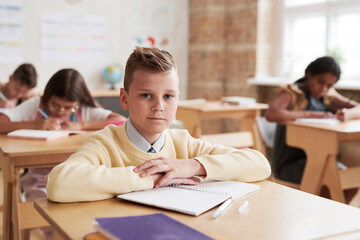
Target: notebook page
{"x": 177, "y": 199}
{"x": 329, "y": 121}
{"x": 234, "y": 189}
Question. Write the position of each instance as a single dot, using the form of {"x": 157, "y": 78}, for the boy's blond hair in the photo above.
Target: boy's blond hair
{"x": 150, "y": 59}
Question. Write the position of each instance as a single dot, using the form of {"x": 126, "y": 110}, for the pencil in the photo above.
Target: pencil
{"x": 2, "y": 96}
{"x": 43, "y": 113}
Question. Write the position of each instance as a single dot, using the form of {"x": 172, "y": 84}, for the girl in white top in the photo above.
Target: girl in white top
{"x": 66, "y": 104}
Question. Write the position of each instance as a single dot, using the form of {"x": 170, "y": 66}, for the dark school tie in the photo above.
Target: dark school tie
{"x": 151, "y": 150}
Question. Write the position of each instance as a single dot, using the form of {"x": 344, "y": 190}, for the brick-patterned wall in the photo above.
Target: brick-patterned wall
{"x": 222, "y": 48}
{"x": 206, "y": 46}
{"x": 222, "y": 53}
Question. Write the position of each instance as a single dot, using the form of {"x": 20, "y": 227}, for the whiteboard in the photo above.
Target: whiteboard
{"x": 123, "y": 23}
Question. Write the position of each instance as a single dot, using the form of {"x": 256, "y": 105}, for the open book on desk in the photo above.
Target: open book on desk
{"x": 192, "y": 200}
{"x": 328, "y": 121}
{"x": 44, "y": 135}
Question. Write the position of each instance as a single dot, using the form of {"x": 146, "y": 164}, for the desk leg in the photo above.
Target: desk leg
{"x": 191, "y": 120}
{"x": 15, "y": 208}
{"x": 318, "y": 145}
{"x": 7, "y": 168}
{"x": 331, "y": 179}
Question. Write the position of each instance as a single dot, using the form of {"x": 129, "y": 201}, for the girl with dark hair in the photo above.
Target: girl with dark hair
{"x": 66, "y": 104}
{"x": 312, "y": 96}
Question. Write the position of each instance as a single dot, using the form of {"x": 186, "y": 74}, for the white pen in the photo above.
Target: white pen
{"x": 222, "y": 208}
{"x": 2, "y": 96}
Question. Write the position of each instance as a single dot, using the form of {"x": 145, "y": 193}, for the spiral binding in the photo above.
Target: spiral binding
{"x": 199, "y": 189}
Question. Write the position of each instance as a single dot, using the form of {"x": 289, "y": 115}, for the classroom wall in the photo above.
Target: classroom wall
{"x": 222, "y": 52}
{"x": 119, "y": 35}
{"x": 222, "y": 48}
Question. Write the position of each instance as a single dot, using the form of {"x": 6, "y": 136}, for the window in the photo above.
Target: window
{"x": 314, "y": 28}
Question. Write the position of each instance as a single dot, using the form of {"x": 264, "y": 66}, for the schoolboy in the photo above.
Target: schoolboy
{"x": 16, "y": 90}
{"x": 144, "y": 153}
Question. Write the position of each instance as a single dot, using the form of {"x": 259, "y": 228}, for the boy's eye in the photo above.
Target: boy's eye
{"x": 168, "y": 96}
{"x": 145, "y": 95}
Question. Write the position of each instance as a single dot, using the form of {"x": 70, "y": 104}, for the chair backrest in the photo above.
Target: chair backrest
{"x": 232, "y": 139}
{"x": 267, "y": 131}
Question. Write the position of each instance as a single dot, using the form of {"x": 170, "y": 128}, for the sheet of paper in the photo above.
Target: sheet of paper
{"x": 318, "y": 120}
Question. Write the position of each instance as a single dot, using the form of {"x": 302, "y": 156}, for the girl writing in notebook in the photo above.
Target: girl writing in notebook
{"x": 312, "y": 96}
{"x": 65, "y": 104}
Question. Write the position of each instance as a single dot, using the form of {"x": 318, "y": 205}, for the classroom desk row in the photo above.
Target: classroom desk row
{"x": 17, "y": 154}
{"x": 275, "y": 212}
{"x": 192, "y": 116}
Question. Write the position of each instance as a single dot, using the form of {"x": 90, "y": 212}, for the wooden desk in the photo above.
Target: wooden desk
{"x": 105, "y": 93}
{"x": 192, "y": 115}
{"x": 276, "y": 212}
{"x": 321, "y": 145}
{"x": 16, "y": 154}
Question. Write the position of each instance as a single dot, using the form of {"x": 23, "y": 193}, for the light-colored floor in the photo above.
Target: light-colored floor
{"x": 36, "y": 234}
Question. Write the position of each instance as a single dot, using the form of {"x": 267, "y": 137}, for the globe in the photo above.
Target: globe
{"x": 113, "y": 74}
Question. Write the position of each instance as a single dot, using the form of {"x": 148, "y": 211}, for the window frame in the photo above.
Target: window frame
{"x": 329, "y": 9}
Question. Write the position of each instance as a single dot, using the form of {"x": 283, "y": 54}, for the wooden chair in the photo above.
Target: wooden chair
{"x": 233, "y": 139}
{"x": 267, "y": 132}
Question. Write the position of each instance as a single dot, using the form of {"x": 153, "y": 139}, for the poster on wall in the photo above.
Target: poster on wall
{"x": 11, "y": 36}
{"x": 152, "y": 23}
{"x": 73, "y": 38}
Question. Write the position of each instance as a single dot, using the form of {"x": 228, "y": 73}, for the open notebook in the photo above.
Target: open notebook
{"x": 192, "y": 200}
{"x": 329, "y": 121}
{"x": 44, "y": 135}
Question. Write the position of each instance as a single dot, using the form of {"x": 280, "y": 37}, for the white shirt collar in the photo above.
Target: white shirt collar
{"x": 139, "y": 141}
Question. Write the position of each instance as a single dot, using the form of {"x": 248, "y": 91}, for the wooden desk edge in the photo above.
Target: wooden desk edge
{"x": 105, "y": 93}
{"x": 52, "y": 223}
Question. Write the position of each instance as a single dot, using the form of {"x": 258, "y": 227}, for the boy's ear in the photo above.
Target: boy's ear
{"x": 123, "y": 99}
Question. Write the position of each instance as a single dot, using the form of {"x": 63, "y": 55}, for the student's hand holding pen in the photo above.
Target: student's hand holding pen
{"x": 48, "y": 124}
{"x": 71, "y": 125}
{"x": 175, "y": 171}
{"x": 346, "y": 114}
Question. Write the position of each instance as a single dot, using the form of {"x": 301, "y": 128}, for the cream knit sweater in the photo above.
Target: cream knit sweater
{"x": 103, "y": 166}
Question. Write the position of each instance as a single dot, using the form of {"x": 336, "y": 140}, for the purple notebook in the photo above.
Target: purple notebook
{"x": 144, "y": 227}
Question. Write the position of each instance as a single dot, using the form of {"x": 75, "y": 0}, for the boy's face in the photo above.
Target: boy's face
{"x": 152, "y": 101}
{"x": 16, "y": 90}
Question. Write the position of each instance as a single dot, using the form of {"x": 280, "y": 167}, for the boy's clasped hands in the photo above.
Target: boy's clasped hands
{"x": 165, "y": 171}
